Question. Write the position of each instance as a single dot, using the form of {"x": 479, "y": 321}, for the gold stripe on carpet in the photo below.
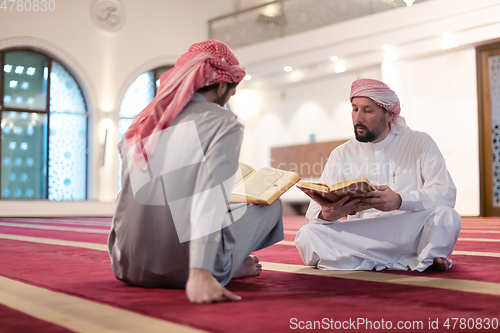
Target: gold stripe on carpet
{"x": 479, "y": 239}
{"x": 466, "y": 285}
{"x": 284, "y": 242}
{"x": 104, "y": 247}
{"x": 466, "y": 253}
{"x": 57, "y": 221}
{"x": 481, "y": 231}
{"x": 51, "y": 241}
{"x": 78, "y": 314}
{"x": 481, "y": 221}
{"x": 478, "y": 254}
{"x": 472, "y": 231}
{"x": 460, "y": 239}
{"x": 50, "y": 227}
{"x": 477, "y": 225}
{"x": 487, "y": 288}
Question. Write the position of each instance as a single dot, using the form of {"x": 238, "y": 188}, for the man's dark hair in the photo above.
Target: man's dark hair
{"x": 230, "y": 85}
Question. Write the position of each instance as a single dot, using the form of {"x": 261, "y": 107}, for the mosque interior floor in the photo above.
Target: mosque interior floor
{"x": 55, "y": 276}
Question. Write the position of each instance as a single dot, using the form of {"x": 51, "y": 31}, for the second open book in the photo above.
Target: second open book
{"x": 353, "y": 188}
{"x": 262, "y": 187}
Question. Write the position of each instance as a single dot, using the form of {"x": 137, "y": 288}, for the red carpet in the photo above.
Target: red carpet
{"x": 269, "y": 301}
{"x": 65, "y": 235}
{"x": 16, "y": 321}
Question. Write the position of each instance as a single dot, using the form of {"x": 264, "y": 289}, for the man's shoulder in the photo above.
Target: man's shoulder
{"x": 343, "y": 148}
{"x": 416, "y": 136}
{"x": 206, "y": 107}
{"x": 210, "y": 113}
{"x": 350, "y": 144}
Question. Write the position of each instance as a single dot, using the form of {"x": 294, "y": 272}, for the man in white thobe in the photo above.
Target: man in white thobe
{"x": 412, "y": 223}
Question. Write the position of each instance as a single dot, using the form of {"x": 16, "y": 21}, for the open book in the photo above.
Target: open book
{"x": 352, "y": 188}
{"x": 261, "y": 187}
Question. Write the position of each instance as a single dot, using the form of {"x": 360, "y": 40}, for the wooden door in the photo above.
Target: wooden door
{"x": 488, "y": 71}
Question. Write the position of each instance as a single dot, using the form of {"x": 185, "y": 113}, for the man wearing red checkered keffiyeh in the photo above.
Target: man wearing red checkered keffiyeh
{"x": 204, "y": 64}
{"x": 383, "y": 96}
{"x": 173, "y": 225}
{"x": 411, "y": 223}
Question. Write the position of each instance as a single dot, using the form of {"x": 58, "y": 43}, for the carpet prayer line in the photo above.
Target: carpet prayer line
{"x": 79, "y": 314}
{"x": 488, "y": 288}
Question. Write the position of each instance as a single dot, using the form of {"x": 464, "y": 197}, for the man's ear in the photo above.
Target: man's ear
{"x": 389, "y": 116}
{"x": 222, "y": 88}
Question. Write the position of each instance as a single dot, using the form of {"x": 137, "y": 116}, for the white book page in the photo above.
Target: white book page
{"x": 243, "y": 171}
{"x": 259, "y": 182}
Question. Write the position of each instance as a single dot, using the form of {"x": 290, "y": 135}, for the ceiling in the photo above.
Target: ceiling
{"x": 251, "y": 21}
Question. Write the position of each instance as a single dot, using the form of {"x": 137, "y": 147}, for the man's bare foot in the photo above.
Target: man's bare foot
{"x": 439, "y": 265}
{"x": 250, "y": 267}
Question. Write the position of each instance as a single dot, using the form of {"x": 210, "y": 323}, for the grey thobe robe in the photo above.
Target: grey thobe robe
{"x": 175, "y": 215}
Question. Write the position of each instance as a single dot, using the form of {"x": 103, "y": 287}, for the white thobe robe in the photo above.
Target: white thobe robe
{"x": 425, "y": 227}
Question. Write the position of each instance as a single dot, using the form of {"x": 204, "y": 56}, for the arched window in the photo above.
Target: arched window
{"x": 138, "y": 95}
{"x": 44, "y": 124}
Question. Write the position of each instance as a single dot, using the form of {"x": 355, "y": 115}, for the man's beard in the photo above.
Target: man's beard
{"x": 222, "y": 100}
{"x": 369, "y": 136}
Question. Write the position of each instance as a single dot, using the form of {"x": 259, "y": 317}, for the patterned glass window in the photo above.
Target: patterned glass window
{"x": 43, "y": 151}
{"x": 67, "y": 157}
{"x": 138, "y": 95}
{"x": 65, "y": 95}
{"x": 67, "y": 137}
{"x": 24, "y": 155}
{"x": 494, "y": 74}
{"x": 25, "y": 81}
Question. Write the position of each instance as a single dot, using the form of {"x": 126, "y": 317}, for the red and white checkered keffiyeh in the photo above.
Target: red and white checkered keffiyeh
{"x": 204, "y": 64}
{"x": 383, "y": 96}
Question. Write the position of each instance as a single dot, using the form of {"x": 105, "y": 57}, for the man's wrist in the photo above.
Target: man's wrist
{"x": 196, "y": 272}
{"x": 321, "y": 216}
{"x": 400, "y": 201}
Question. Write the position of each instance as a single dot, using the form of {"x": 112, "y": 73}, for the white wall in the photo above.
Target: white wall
{"x": 283, "y": 108}
{"x": 442, "y": 101}
{"x": 289, "y": 115}
{"x": 438, "y": 96}
{"x": 155, "y": 33}
{"x": 430, "y": 63}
